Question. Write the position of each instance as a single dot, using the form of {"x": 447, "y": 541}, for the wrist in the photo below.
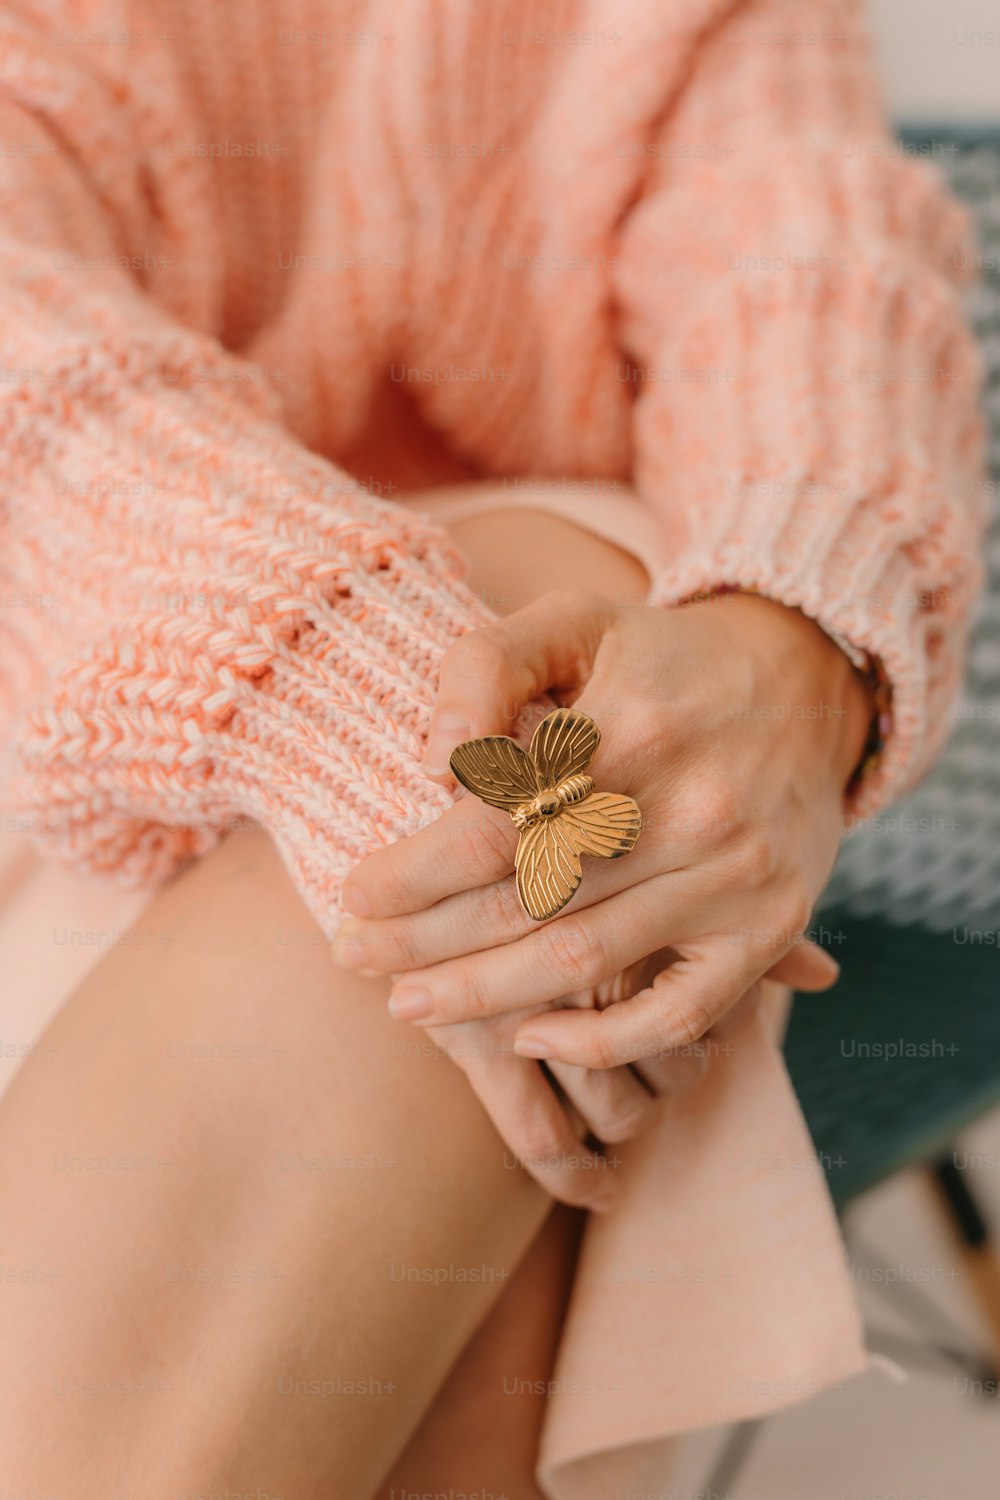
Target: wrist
{"x": 799, "y": 665}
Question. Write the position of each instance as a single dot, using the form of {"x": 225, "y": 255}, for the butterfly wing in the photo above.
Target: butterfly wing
{"x": 547, "y": 867}
{"x": 547, "y": 860}
{"x": 562, "y": 745}
{"x": 603, "y": 824}
{"x": 497, "y": 770}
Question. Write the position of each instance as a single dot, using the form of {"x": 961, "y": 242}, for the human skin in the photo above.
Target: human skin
{"x": 419, "y": 1179}
{"x": 514, "y": 556}
{"x": 327, "y": 1158}
{"x": 735, "y": 723}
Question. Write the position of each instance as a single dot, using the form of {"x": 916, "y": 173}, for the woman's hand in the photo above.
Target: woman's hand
{"x": 550, "y": 1115}
{"x": 734, "y": 723}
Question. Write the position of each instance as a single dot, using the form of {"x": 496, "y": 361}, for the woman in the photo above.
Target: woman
{"x": 256, "y": 273}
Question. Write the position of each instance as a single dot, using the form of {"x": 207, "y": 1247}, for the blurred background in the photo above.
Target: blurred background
{"x": 937, "y": 63}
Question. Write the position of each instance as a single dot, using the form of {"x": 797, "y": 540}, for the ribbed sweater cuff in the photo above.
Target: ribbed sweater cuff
{"x": 825, "y": 475}
{"x": 311, "y": 724}
{"x": 262, "y": 642}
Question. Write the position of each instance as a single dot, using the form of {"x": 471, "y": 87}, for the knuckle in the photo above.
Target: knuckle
{"x": 483, "y": 655}
{"x": 470, "y": 997}
{"x": 757, "y": 858}
{"x": 389, "y": 889}
{"x": 622, "y": 1120}
{"x": 796, "y": 911}
{"x": 717, "y": 808}
{"x": 401, "y": 946}
{"x": 599, "y": 1048}
{"x": 481, "y": 847}
{"x": 574, "y": 951}
{"x": 682, "y": 1022}
{"x": 499, "y": 910}
{"x": 706, "y": 813}
{"x": 649, "y": 732}
{"x": 647, "y": 743}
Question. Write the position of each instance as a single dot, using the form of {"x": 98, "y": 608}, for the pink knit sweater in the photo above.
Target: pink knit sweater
{"x": 661, "y": 240}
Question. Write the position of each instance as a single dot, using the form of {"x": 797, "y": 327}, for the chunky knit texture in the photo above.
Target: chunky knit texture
{"x": 667, "y": 241}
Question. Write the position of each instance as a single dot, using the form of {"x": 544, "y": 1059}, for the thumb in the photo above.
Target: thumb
{"x": 488, "y": 675}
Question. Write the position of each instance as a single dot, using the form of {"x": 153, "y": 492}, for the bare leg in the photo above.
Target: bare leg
{"x": 481, "y": 1434}
{"x": 260, "y": 1263}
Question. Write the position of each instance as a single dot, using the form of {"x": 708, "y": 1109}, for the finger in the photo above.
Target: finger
{"x": 806, "y": 966}
{"x": 474, "y": 919}
{"x": 679, "y": 1070}
{"x": 533, "y": 1123}
{"x": 677, "y": 1009}
{"x": 488, "y": 675}
{"x": 485, "y": 917}
{"x": 570, "y": 954}
{"x": 670, "y": 1073}
{"x": 613, "y": 1103}
{"x": 468, "y": 846}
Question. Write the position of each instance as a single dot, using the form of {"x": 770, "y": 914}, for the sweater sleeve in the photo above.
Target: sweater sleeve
{"x": 201, "y": 620}
{"x": 806, "y": 420}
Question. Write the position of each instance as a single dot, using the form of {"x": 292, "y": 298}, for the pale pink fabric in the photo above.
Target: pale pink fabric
{"x": 666, "y": 242}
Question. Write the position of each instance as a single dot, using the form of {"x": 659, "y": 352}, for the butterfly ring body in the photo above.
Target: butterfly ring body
{"x": 552, "y": 803}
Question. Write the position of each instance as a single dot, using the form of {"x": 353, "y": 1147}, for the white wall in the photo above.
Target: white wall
{"x": 940, "y": 59}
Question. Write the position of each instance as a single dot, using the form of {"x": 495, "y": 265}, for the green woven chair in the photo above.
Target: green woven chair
{"x": 902, "y": 1056}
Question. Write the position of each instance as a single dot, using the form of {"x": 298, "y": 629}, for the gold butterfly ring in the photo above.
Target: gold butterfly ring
{"x": 552, "y": 804}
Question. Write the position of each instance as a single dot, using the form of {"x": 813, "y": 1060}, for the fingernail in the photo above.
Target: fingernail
{"x": 348, "y": 953}
{"x": 346, "y": 948}
{"x": 532, "y": 1046}
{"x": 410, "y": 1005}
{"x": 355, "y": 902}
{"x": 449, "y": 730}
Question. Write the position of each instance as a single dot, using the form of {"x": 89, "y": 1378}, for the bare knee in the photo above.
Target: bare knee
{"x": 215, "y": 1161}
